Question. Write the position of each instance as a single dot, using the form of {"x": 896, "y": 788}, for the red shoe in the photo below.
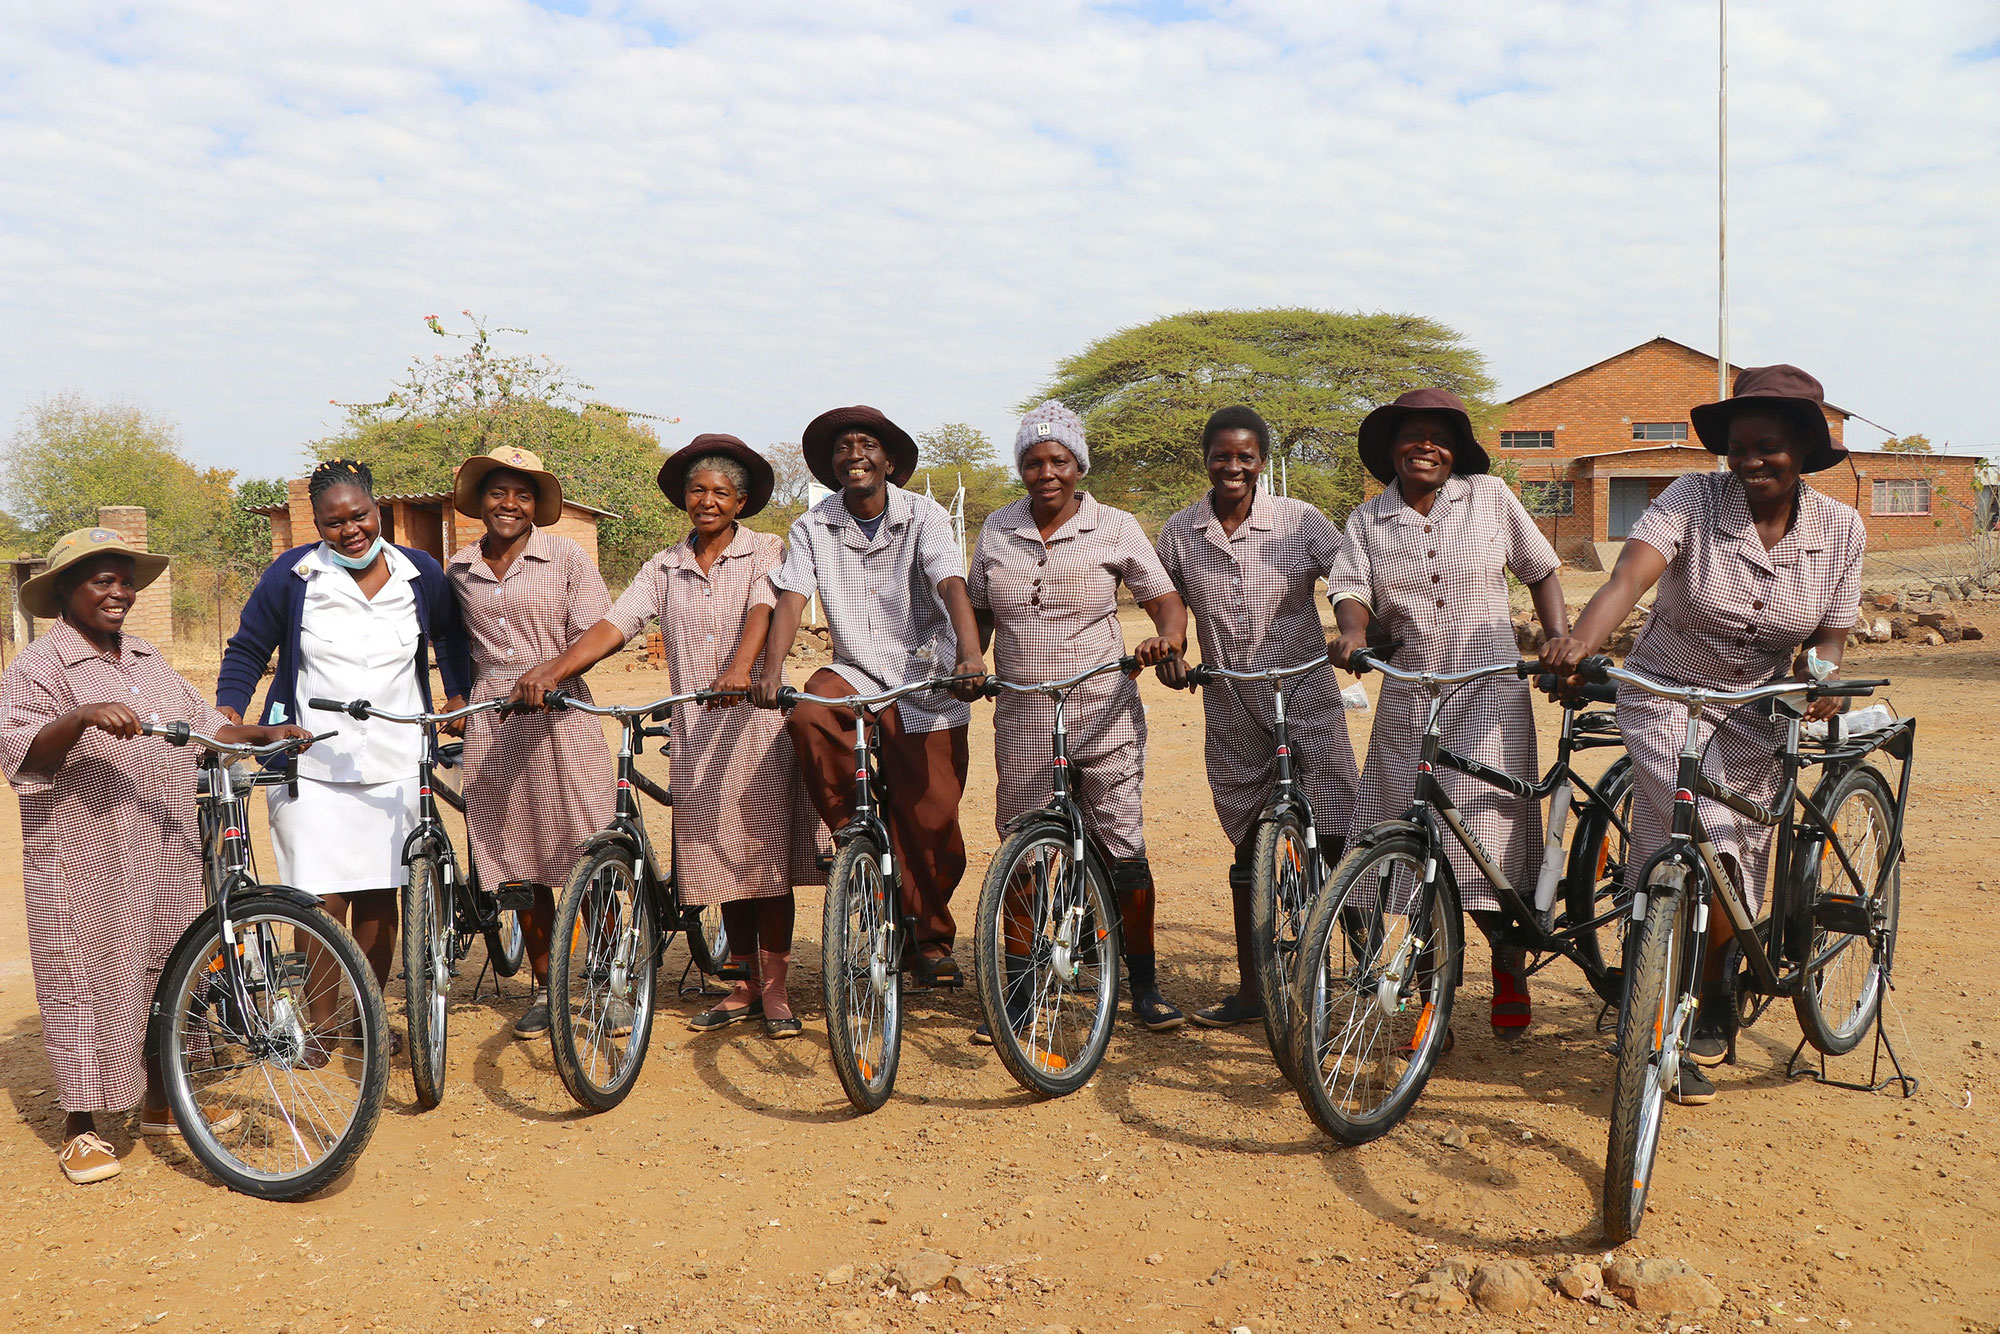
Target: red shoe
{"x": 1511, "y": 1011}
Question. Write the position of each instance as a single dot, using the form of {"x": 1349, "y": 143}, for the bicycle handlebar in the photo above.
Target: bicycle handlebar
{"x": 1366, "y": 660}
{"x": 362, "y": 710}
{"x": 994, "y": 685}
{"x": 559, "y": 700}
{"x": 179, "y": 734}
{"x": 1598, "y": 669}
{"x": 790, "y": 695}
{"x": 1204, "y": 674}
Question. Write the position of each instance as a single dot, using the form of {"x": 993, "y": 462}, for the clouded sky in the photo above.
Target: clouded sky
{"x": 742, "y": 214}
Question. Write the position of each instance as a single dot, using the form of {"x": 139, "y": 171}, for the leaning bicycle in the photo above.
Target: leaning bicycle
{"x": 267, "y": 1024}
{"x": 1827, "y": 942}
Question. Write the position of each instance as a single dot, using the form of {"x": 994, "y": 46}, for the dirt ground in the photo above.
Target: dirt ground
{"x": 1183, "y": 1189}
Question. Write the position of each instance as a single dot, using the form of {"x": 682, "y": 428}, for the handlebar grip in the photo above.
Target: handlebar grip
{"x": 1836, "y": 687}
{"x": 1595, "y": 669}
{"x": 1129, "y": 664}
{"x": 1546, "y": 683}
{"x": 1200, "y": 675}
{"x": 177, "y": 733}
{"x": 327, "y": 705}
{"x": 991, "y": 689}
{"x": 555, "y": 701}
{"x": 787, "y": 696}
{"x": 1528, "y": 667}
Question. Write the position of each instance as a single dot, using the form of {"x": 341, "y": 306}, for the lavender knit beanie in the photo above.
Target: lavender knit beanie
{"x": 1052, "y": 421}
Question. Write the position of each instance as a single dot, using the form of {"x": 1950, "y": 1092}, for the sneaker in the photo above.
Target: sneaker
{"x": 710, "y": 1020}
{"x": 1229, "y": 1012}
{"x": 1155, "y": 1015}
{"x": 535, "y": 1023}
{"x": 162, "y": 1122}
{"x": 1709, "y": 1049}
{"x": 87, "y": 1158}
{"x": 982, "y": 1036}
{"x": 1694, "y": 1090}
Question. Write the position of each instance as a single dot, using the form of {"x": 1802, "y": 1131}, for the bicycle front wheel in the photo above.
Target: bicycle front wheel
{"x": 1372, "y": 999}
{"x": 1853, "y": 926}
{"x": 428, "y": 937}
{"x": 860, "y": 977}
{"x": 602, "y": 971}
{"x": 1047, "y": 957}
{"x": 276, "y": 1083}
{"x": 1279, "y": 902}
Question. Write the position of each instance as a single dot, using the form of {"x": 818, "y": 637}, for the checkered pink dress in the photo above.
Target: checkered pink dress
{"x": 536, "y": 784}
{"x": 1729, "y": 615}
{"x": 1438, "y": 583}
{"x": 1055, "y": 612}
{"x": 1253, "y": 595}
{"x": 743, "y": 826}
{"x": 110, "y": 854}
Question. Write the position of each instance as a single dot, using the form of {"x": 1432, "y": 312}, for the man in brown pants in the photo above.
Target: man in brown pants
{"x": 890, "y": 577}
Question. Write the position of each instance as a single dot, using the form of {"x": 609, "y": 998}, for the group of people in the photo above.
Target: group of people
{"x": 1753, "y": 566}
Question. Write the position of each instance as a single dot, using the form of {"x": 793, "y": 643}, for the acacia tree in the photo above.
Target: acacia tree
{"x": 1145, "y": 392}
{"x": 954, "y": 453}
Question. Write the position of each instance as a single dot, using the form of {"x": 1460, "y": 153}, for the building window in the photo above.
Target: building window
{"x": 1659, "y": 430}
{"x": 1527, "y": 440}
{"x": 1549, "y": 500}
{"x": 1902, "y": 495}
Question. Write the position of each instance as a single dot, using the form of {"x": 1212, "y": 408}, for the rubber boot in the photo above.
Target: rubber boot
{"x": 1133, "y": 878}
{"x": 1715, "y": 1025}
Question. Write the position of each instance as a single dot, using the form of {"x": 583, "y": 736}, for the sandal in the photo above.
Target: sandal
{"x": 708, "y": 1021}
{"x": 1511, "y": 1011}
{"x": 1228, "y": 1013}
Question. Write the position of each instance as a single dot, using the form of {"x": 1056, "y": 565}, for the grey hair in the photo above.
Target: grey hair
{"x": 738, "y": 475}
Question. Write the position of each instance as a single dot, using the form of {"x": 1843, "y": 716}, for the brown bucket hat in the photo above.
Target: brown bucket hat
{"x": 1785, "y": 390}
{"x": 1378, "y": 432}
{"x": 674, "y": 472}
{"x": 471, "y": 473}
{"x": 38, "y": 594}
{"x": 817, "y": 443}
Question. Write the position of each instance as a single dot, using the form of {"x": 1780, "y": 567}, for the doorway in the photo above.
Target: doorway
{"x": 1628, "y": 502}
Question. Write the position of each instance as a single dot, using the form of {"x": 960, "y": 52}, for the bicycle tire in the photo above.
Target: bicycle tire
{"x": 1065, "y": 942}
{"x": 506, "y": 944}
{"x": 860, "y": 979}
{"x": 428, "y": 938}
{"x": 1660, "y": 1003}
{"x": 1361, "y": 965}
{"x": 1594, "y": 883}
{"x": 1279, "y": 906}
{"x": 606, "y": 953}
{"x": 217, "y": 1058}
{"x": 707, "y": 936}
{"x": 1857, "y": 979}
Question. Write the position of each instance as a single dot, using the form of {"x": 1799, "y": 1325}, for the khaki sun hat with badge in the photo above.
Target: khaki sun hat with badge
{"x": 38, "y": 594}
{"x": 474, "y": 471}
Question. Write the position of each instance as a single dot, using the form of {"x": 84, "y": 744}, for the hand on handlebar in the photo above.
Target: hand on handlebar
{"x": 269, "y": 735}
{"x": 1172, "y": 671}
{"x": 1561, "y": 658}
{"x": 116, "y": 719}
{"x": 456, "y": 727}
{"x": 1341, "y": 648}
{"x": 531, "y": 689}
{"x": 1152, "y": 652}
{"x": 735, "y": 684}
{"x": 766, "y": 685}
{"x": 971, "y": 671}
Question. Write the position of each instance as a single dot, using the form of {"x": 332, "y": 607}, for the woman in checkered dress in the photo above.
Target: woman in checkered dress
{"x": 536, "y": 785}
{"x": 1754, "y": 567}
{"x": 744, "y": 833}
{"x": 1044, "y": 585}
{"x": 110, "y": 849}
{"x": 1248, "y": 564}
{"x": 1426, "y": 564}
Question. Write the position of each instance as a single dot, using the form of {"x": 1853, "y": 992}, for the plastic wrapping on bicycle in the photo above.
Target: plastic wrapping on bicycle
{"x": 1127, "y": 664}
{"x": 1203, "y": 674}
{"x": 1599, "y": 669}
{"x": 180, "y": 734}
{"x": 790, "y": 695}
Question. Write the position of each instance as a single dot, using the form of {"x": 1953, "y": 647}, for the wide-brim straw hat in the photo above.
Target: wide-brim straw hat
{"x": 1785, "y": 390}
{"x": 474, "y": 471}
{"x": 674, "y": 472}
{"x": 1378, "y": 432}
{"x": 38, "y": 594}
{"x": 817, "y": 442}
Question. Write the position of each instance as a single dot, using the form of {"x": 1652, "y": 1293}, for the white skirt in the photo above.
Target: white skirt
{"x": 342, "y": 838}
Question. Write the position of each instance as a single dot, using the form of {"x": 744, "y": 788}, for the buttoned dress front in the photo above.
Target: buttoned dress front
{"x": 110, "y": 853}
{"x": 1054, "y": 605}
{"x": 743, "y": 828}
{"x": 1729, "y": 614}
{"x": 1254, "y": 595}
{"x": 536, "y": 784}
{"x": 1438, "y": 583}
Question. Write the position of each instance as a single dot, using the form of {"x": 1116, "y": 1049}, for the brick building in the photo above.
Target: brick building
{"x": 152, "y": 615}
{"x": 1595, "y": 447}
{"x": 426, "y": 522}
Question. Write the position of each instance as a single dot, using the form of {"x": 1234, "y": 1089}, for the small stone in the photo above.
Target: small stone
{"x": 419, "y": 1201}
{"x": 1454, "y": 1138}
{"x": 1581, "y": 1280}
{"x": 922, "y": 1271}
{"x": 1973, "y": 632}
{"x": 1157, "y": 1258}
{"x": 619, "y": 1277}
{"x": 967, "y": 1282}
{"x": 1414, "y": 1196}
{"x": 1661, "y": 1285}
{"x": 1505, "y": 1287}
{"x": 839, "y": 1276}
{"x": 1432, "y": 1297}
{"x": 699, "y": 1271}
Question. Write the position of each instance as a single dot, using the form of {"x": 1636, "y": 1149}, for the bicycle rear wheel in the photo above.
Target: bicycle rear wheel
{"x": 1279, "y": 903}
{"x": 1372, "y": 998}
{"x": 428, "y": 938}
{"x": 602, "y": 971}
{"x": 1594, "y": 884}
{"x": 707, "y": 936}
{"x": 1840, "y": 998}
{"x": 1046, "y": 953}
{"x": 860, "y": 977}
{"x": 276, "y": 1089}
{"x": 506, "y": 944}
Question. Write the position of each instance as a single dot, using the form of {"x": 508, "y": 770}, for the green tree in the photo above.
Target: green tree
{"x": 1145, "y": 392}
{"x": 954, "y": 453}
{"x": 1908, "y": 444}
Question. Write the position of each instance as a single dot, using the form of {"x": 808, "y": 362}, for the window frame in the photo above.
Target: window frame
{"x": 1920, "y": 491}
{"x": 1507, "y": 440}
{"x": 1679, "y": 430}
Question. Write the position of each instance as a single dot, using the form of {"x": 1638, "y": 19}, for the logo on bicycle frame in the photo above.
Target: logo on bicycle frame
{"x": 1683, "y": 797}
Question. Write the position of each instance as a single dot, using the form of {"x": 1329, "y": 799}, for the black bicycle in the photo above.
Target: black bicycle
{"x": 1382, "y": 952}
{"x": 1047, "y": 940}
{"x": 1827, "y": 941}
{"x": 615, "y": 919}
{"x": 865, "y": 934}
{"x": 445, "y": 908}
{"x": 266, "y": 1023}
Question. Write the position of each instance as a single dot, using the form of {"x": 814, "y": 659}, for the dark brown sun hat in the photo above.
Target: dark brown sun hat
{"x": 1785, "y": 390}
{"x": 817, "y": 443}
{"x": 674, "y": 472}
{"x": 1378, "y": 432}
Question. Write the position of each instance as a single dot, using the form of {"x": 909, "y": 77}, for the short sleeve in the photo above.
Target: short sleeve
{"x": 978, "y": 587}
{"x": 27, "y": 705}
{"x": 645, "y": 599}
{"x": 937, "y": 545}
{"x": 1845, "y": 608}
{"x": 796, "y": 573}
{"x": 1530, "y": 555}
{"x": 1168, "y": 549}
{"x": 1673, "y": 514}
{"x": 589, "y": 599}
{"x": 1352, "y": 574}
{"x": 1322, "y": 540}
{"x": 1138, "y": 564}
{"x": 766, "y": 559}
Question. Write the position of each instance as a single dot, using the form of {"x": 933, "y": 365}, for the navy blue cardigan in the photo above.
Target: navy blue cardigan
{"x": 271, "y": 620}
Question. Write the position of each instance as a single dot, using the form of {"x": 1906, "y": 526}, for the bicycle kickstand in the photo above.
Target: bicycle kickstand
{"x": 1876, "y": 1080}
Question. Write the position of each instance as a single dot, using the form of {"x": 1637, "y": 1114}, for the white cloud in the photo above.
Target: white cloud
{"x": 742, "y": 215}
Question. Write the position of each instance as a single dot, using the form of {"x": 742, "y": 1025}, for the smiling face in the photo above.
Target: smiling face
{"x": 1422, "y": 450}
{"x": 507, "y": 503}
{"x": 1235, "y": 461}
{"x": 97, "y": 592}
{"x": 860, "y": 463}
{"x": 1050, "y": 473}
{"x": 713, "y": 501}
{"x": 1765, "y": 452}
{"x": 348, "y": 520}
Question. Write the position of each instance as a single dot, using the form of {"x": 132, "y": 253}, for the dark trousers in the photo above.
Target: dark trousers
{"x": 925, "y": 773}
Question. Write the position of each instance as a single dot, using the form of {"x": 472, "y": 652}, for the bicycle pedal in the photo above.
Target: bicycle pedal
{"x": 514, "y": 896}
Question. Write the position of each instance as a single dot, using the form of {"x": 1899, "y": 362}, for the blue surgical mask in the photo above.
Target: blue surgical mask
{"x": 361, "y": 562}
